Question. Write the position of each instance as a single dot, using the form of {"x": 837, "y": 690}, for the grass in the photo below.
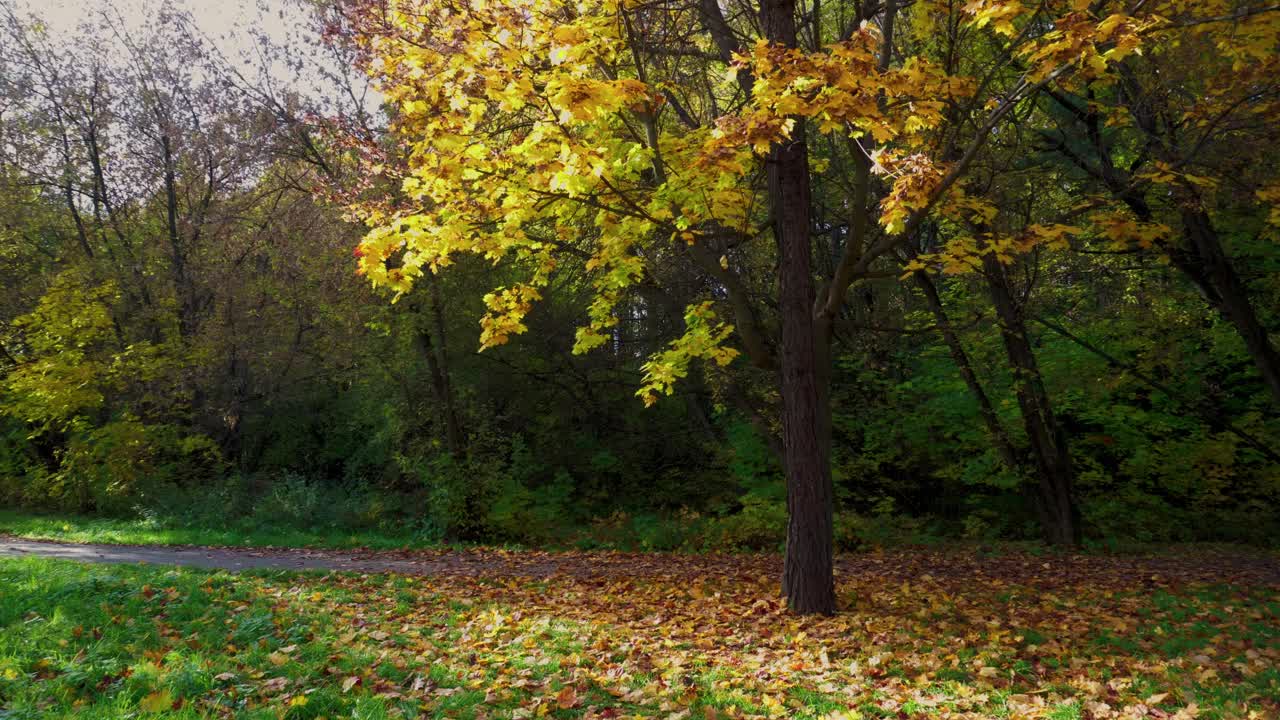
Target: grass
{"x": 125, "y": 641}
{"x": 98, "y": 642}
{"x": 81, "y": 529}
{"x": 248, "y": 533}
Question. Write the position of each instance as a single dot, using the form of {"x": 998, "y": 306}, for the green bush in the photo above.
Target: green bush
{"x": 761, "y": 524}
{"x": 531, "y": 516}
{"x": 112, "y": 468}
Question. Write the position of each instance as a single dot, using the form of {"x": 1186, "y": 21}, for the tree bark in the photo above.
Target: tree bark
{"x": 1059, "y": 516}
{"x": 999, "y": 436}
{"x": 1203, "y": 260}
{"x": 182, "y": 283}
{"x": 1231, "y": 297}
{"x": 431, "y": 344}
{"x": 1206, "y": 264}
{"x": 808, "y": 576}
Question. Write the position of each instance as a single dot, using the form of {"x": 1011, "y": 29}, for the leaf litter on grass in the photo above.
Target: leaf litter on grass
{"x": 599, "y": 635}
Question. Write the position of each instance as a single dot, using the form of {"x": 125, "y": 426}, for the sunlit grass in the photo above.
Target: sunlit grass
{"x": 72, "y": 528}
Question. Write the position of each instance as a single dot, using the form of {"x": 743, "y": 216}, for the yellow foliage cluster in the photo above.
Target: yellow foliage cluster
{"x": 534, "y": 128}
{"x": 704, "y": 338}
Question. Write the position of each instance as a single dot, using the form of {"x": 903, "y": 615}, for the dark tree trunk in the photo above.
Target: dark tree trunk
{"x": 808, "y": 580}
{"x": 181, "y": 279}
{"x": 432, "y": 345}
{"x": 1059, "y": 516}
{"x": 1207, "y": 266}
{"x": 1204, "y": 261}
{"x": 999, "y": 436}
{"x": 1230, "y": 296}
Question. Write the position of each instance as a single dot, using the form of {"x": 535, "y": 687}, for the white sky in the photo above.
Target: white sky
{"x": 220, "y": 20}
{"x": 229, "y": 25}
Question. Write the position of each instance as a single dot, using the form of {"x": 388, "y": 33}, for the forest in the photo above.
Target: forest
{"x": 834, "y": 359}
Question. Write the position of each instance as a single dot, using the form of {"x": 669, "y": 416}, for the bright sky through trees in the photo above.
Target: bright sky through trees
{"x": 266, "y": 39}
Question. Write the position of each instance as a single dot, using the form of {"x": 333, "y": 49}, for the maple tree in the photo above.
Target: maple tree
{"x": 556, "y": 120}
{"x": 539, "y": 128}
{"x": 882, "y": 272}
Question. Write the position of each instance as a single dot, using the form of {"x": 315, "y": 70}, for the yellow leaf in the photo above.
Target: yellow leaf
{"x": 278, "y": 659}
{"x": 156, "y": 702}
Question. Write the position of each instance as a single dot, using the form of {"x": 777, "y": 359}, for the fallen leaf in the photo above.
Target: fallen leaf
{"x": 568, "y": 698}
{"x": 158, "y": 701}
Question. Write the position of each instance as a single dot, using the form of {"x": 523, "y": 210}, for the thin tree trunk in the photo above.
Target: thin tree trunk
{"x": 1232, "y": 299}
{"x": 186, "y": 304}
{"x": 999, "y": 436}
{"x": 808, "y": 580}
{"x": 1204, "y": 260}
{"x": 1058, "y": 513}
{"x": 1206, "y": 264}
{"x": 432, "y": 345}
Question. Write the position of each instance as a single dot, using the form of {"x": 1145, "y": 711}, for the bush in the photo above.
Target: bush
{"x": 761, "y": 524}
{"x": 531, "y": 516}
{"x": 883, "y": 527}
{"x": 112, "y": 468}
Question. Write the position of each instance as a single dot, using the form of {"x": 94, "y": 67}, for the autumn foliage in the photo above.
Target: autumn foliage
{"x": 635, "y": 136}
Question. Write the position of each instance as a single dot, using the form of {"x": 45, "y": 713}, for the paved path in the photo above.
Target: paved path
{"x": 224, "y": 558}
{"x": 476, "y": 562}
{"x": 1178, "y": 566}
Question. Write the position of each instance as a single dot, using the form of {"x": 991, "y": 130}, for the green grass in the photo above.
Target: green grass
{"x": 93, "y": 642}
{"x": 72, "y": 528}
{"x": 257, "y": 533}
{"x": 106, "y": 642}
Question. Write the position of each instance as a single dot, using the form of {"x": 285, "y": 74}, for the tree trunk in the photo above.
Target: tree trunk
{"x": 999, "y": 436}
{"x": 181, "y": 280}
{"x": 1204, "y": 261}
{"x": 430, "y": 339}
{"x": 1059, "y": 516}
{"x": 1207, "y": 266}
{"x": 1231, "y": 297}
{"x": 808, "y": 579}
{"x": 453, "y": 424}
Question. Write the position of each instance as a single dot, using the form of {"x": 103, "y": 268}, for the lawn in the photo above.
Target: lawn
{"x": 81, "y": 529}
{"x": 683, "y": 639}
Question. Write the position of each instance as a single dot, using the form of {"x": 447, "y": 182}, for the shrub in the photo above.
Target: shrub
{"x": 761, "y": 524}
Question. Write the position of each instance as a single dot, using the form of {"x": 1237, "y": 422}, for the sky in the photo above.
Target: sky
{"x": 228, "y": 25}
{"x": 223, "y": 21}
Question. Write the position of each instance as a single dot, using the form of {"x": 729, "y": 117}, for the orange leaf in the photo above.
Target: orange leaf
{"x": 568, "y": 698}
